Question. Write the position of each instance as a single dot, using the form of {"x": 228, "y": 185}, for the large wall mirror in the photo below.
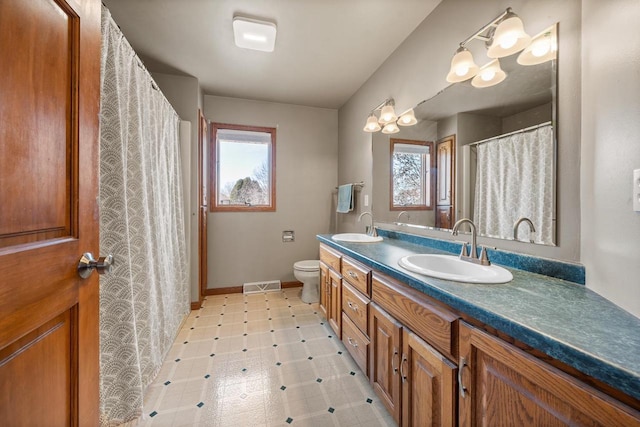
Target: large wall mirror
{"x": 493, "y": 152}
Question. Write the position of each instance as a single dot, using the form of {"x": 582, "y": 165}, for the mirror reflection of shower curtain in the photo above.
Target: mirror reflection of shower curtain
{"x": 515, "y": 179}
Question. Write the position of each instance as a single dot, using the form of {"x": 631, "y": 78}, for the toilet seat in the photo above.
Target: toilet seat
{"x": 307, "y": 265}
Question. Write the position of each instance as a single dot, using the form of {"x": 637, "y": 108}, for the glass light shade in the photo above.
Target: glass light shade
{"x": 489, "y": 75}
{"x": 462, "y": 66}
{"x": 372, "y": 124}
{"x": 387, "y": 115}
{"x": 508, "y": 38}
{"x": 407, "y": 119}
{"x": 543, "y": 48}
{"x": 390, "y": 128}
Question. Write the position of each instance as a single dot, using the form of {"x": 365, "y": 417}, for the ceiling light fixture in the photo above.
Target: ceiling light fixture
{"x": 388, "y": 121}
{"x": 503, "y": 36}
{"x": 254, "y": 34}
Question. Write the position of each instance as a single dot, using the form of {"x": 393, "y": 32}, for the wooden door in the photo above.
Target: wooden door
{"x": 385, "y": 333}
{"x": 445, "y": 182}
{"x": 335, "y": 303}
{"x": 325, "y": 289}
{"x": 443, "y": 216}
{"x": 203, "y": 136}
{"x": 49, "y": 103}
{"x": 428, "y": 385}
{"x": 506, "y": 386}
{"x": 445, "y": 168}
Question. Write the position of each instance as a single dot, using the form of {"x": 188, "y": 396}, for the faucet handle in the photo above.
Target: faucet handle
{"x": 484, "y": 258}
{"x": 465, "y": 250}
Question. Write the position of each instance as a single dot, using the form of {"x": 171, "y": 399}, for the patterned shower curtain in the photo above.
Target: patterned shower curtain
{"x": 514, "y": 178}
{"x": 146, "y": 296}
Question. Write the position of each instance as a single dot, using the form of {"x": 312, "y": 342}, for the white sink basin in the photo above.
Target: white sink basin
{"x": 450, "y": 267}
{"x": 355, "y": 238}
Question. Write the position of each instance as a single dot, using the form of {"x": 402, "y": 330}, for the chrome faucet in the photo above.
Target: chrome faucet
{"x": 402, "y": 213}
{"x": 464, "y": 255}
{"x": 370, "y": 230}
{"x": 516, "y": 225}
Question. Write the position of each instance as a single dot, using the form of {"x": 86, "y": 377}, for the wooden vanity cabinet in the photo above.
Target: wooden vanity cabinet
{"x": 386, "y": 348}
{"x": 428, "y": 384}
{"x": 356, "y": 284}
{"x": 325, "y": 288}
{"x": 331, "y": 287}
{"x": 502, "y": 385}
{"x": 416, "y": 383}
{"x": 408, "y": 345}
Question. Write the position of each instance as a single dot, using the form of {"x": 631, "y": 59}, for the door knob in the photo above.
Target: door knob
{"x": 88, "y": 263}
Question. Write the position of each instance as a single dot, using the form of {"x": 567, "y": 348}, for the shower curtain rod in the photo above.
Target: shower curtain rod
{"x": 510, "y": 133}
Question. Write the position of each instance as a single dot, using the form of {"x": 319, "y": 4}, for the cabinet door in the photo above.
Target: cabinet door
{"x": 428, "y": 384}
{"x": 385, "y": 333}
{"x": 502, "y": 385}
{"x": 334, "y": 315}
{"x": 325, "y": 288}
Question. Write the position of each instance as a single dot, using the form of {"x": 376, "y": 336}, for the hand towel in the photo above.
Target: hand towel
{"x": 345, "y": 198}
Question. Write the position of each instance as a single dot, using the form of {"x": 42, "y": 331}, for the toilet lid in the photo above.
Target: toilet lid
{"x": 307, "y": 265}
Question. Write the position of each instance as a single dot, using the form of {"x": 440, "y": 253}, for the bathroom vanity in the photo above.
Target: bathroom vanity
{"x": 538, "y": 350}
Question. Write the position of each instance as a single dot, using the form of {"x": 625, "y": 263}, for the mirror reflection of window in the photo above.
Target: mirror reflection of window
{"x": 412, "y": 175}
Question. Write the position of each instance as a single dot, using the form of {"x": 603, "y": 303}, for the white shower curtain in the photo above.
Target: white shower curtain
{"x": 514, "y": 179}
{"x": 146, "y": 296}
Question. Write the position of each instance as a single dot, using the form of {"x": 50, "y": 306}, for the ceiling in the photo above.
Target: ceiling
{"x": 325, "y": 49}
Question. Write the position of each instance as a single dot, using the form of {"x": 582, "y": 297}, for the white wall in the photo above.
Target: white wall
{"x": 611, "y": 149}
{"x": 417, "y": 70}
{"x": 183, "y": 92}
{"x": 248, "y": 247}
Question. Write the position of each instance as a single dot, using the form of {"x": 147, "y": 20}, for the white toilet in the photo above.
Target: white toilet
{"x": 308, "y": 272}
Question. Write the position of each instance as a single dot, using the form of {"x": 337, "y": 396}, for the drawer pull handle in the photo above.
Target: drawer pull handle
{"x": 394, "y": 365}
{"x": 463, "y": 389}
{"x": 353, "y": 274}
{"x": 352, "y": 306}
{"x": 403, "y": 374}
{"x": 352, "y": 342}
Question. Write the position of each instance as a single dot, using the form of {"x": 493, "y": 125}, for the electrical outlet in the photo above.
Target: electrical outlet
{"x": 636, "y": 190}
{"x": 366, "y": 200}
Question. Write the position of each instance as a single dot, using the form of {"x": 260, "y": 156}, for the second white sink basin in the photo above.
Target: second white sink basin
{"x": 450, "y": 267}
{"x": 356, "y": 238}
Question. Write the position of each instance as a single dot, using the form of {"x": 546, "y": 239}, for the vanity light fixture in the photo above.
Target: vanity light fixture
{"x": 388, "y": 121}
{"x": 509, "y": 37}
{"x": 462, "y": 66}
{"x": 489, "y": 75}
{"x": 503, "y": 36}
{"x": 543, "y": 48}
{"x": 387, "y": 114}
{"x": 372, "y": 124}
{"x": 254, "y": 34}
{"x": 408, "y": 118}
{"x": 390, "y": 128}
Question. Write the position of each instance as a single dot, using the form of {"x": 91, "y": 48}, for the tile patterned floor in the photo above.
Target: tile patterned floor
{"x": 260, "y": 360}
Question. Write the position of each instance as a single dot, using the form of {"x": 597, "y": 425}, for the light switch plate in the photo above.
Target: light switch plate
{"x": 366, "y": 200}
{"x": 636, "y": 190}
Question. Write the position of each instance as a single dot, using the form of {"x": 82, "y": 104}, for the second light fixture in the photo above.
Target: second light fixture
{"x": 388, "y": 121}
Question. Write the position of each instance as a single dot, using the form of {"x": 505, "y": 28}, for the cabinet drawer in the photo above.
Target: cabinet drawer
{"x": 431, "y": 322}
{"x": 357, "y": 275}
{"x": 330, "y": 257}
{"x": 356, "y": 343}
{"x": 355, "y": 306}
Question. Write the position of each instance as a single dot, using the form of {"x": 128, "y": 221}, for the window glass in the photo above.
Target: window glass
{"x": 411, "y": 174}
{"x": 244, "y": 170}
